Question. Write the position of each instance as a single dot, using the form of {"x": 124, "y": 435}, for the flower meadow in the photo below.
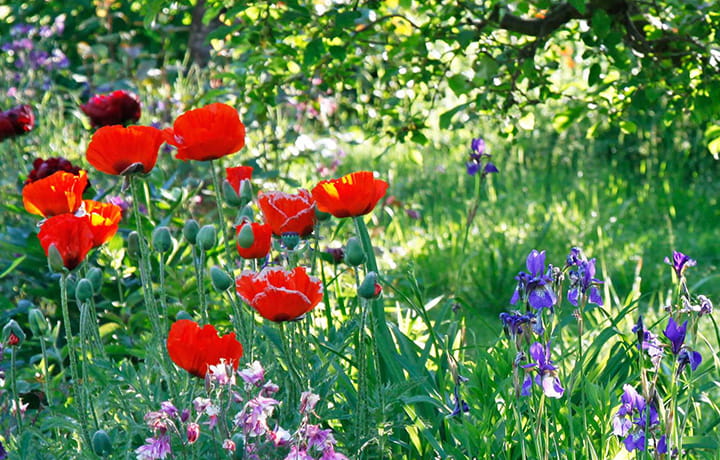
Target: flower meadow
{"x": 197, "y": 305}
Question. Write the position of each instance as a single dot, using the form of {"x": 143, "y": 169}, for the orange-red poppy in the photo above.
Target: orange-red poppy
{"x": 287, "y": 212}
{"x": 56, "y": 194}
{"x": 280, "y": 295}
{"x": 104, "y": 220}
{"x": 262, "y": 240}
{"x": 71, "y": 235}
{"x": 194, "y": 348}
{"x": 352, "y": 195}
{"x": 113, "y": 149}
{"x": 237, "y": 174}
{"x": 207, "y": 133}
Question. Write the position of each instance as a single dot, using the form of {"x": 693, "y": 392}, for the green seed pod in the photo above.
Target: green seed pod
{"x": 55, "y": 260}
{"x": 12, "y": 334}
{"x": 369, "y": 288}
{"x": 246, "y": 193}
{"x": 354, "y": 254}
{"x": 38, "y": 323}
{"x": 321, "y": 216}
{"x": 101, "y": 444}
{"x": 84, "y": 290}
{"x": 161, "y": 239}
{"x": 182, "y": 314}
{"x": 239, "y": 453}
{"x": 190, "y": 230}
{"x": 246, "y": 237}
{"x": 207, "y": 237}
{"x": 133, "y": 245}
{"x": 95, "y": 275}
{"x": 230, "y": 195}
{"x": 221, "y": 281}
{"x": 290, "y": 240}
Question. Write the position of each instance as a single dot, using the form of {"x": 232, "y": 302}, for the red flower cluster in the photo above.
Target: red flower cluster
{"x": 116, "y": 108}
{"x": 207, "y": 133}
{"x": 280, "y": 295}
{"x": 352, "y": 195}
{"x": 16, "y": 121}
{"x": 237, "y": 174}
{"x": 195, "y": 349}
{"x": 288, "y": 213}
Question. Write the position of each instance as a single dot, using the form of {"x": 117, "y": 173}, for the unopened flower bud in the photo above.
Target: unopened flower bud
{"x": 290, "y": 240}
{"x": 369, "y": 288}
{"x": 184, "y": 415}
{"x": 133, "y": 245}
{"x": 38, "y": 323}
{"x": 221, "y": 281}
{"x": 246, "y": 237}
{"x": 354, "y": 254}
{"x": 190, "y": 230}
{"x": 207, "y": 237}
{"x": 161, "y": 239}
{"x": 83, "y": 290}
{"x": 12, "y": 334}
{"x": 55, "y": 260}
{"x": 182, "y": 314}
{"x": 246, "y": 193}
{"x": 193, "y": 432}
{"x": 95, "y": 275}
{"x": 231, "y": 196}
{"x": 246, "y": 214}
{"x": 101, "y": 444}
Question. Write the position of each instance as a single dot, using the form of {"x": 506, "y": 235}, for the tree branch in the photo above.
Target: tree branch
{"x": 538, "y": 27}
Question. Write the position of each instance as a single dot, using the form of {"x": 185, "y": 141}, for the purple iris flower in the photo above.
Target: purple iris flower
{"x": 535, "y": 286}
{"x": 693, "y": 358}
{"x": 545, "y": 377}
{"x": 459, "y": 404}
{"x": 477, "y": 147}
{"x": 632, "y": 419}
{"x": 583, "y": 282}
{"x": 472, "y": 167}
{"x": 676, "y": 334}
{"x": 490, "y": 168}
{"x": 514, "y": 323}
{"x": 649, "y": 342}
{"x": 680, "y": 262}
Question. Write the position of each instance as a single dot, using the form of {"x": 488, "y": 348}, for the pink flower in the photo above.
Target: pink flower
{"x": 155, "y": 448}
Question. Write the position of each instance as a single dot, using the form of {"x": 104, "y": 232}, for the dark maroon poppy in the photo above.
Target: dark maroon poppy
{"x": 44, "y": 168}
{"x": 116, "y": 108}
{"x": 16, "y": 121}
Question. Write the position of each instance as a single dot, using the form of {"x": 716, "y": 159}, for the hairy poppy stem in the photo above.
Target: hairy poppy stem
{"x": 15, "y": 395}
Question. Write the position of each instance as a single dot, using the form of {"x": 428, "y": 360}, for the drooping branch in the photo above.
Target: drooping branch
{"x": 538, "y": 27}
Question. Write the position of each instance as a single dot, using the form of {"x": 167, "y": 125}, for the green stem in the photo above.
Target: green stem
{"x": 222, "y": 225}
{"x": 200, "y": 276}
{"x": 85, "y": 353}
{"x": 46, "y": 371}
{"x": 163, "y": 297}
{"x": 15, "y": 395}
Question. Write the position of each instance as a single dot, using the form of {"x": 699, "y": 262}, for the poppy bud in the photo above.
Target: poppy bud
{"x": 133, "y": 244}
{"x": 101, "y": 444}
{"x": 246, "y": 237}
{"x": 246, "y": 213}
{"x": 221, "y": 281}
{"x": 239, "y": 442}
{"x": 290, "y": 240}
{"x": 369, "y": 288}
{"x": 161, "y": 239}
{"x": 95, "y": 275}
{"x": 354, "y": 254}
{"x": 246, "y": 194}
{"x": 190, "y": 230}
{"x": 83, "y": 290}
{"x": 55, "y": 260}
{"x": 321, "y": 216}
{"x": 12, "y": 334}
{"x": 207, "y": 237}
{"x": 38, "y": 323}
{"x": 182, "y": 314}
{"x": 231, "y": 196}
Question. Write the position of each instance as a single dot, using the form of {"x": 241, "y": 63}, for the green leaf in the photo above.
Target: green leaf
{"x": 601, "y": 23}
{"x": 579, "y": 5}
{"x": 446, "y": 117}
{"x": 594, "y": 74}
{"x": 458, "y": 84}
{"x": 313, "y": 52}
{"x": 527, "y": 122}
{"x": 346, "y": 19}
{"x": 628, "y": 127}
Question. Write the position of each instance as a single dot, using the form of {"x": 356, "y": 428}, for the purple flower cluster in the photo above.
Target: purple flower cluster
{"x": 27, "y": 50}
{"x": 582, "y": 279}
{"x": 648, "y": 342}
{"x": 680, "y": 262}
{"x": 676, "y": 334}
{"x": 477, "y": 155}
{"x": 635, "y": 419}
{"x": 535, "y": 287}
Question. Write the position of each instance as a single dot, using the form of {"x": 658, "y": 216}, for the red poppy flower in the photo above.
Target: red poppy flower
{"x": 71, "y": 235}
{"x": 113, "y": 149}
{"x": 238, "y": 174}
{"x": 16, "y": 121}
{"x": 194, "y": 348}
{"x": 280, "y": 295}
{"x": 352, "y": 195}
{"x": 104, "y": 220}
{"x": 262, "y": 241}
{"x": 44, "y": 168}
{"x": 116, "y": 108}
{"x": 287, "y": 212}
{"x": 59, "y": 193}
{"x": 207, "y": 133}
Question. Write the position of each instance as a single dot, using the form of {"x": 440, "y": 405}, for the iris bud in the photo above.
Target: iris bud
{"x": 354, "y": 254}
{"x": 190, "y": 230}
{"x": 161, "y": 239}
{"x": 207, "y": 237}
